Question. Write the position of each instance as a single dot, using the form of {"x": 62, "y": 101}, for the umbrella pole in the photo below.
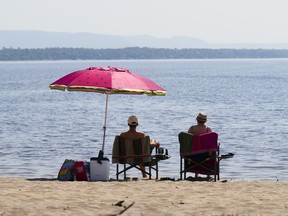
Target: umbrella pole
{"x": 105, "y": 118}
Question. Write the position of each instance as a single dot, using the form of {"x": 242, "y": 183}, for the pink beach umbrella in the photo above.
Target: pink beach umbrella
{"x": 108, "y": 80}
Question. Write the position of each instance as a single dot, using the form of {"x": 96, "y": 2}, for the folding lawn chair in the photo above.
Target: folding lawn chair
{"x": 133, "y": 153}
{"x": 199, "y": 154}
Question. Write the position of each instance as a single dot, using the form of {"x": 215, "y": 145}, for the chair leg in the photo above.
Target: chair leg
{"x": 124, "y": 171}
{"x": 184, "y": 171}
{"x": 180, "y": 168}
{"x": 218, "y": 161}
{"x": 218, "y": 168}
{"x": 117, "y": 171}
{"x": 215, "y": 169}
{"x": 157, "y": 169}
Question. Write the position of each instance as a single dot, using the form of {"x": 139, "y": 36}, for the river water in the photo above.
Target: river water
{"x": 246, "y": 101}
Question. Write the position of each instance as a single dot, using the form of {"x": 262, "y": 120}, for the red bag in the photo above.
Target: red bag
{"x": 80, "y": 172}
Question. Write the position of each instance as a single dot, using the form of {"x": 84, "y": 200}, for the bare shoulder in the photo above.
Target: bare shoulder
{"x": 209, "y": 129}
{"x": 141, "y": 134}
{"x": 123, "y": 134}
{"x": 190, "y": 130}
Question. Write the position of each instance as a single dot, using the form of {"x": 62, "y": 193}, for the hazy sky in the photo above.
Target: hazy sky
{"x": 221, "y": 21}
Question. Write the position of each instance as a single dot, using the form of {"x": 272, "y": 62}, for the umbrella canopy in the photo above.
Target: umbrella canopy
{"x": 108, "y": 80}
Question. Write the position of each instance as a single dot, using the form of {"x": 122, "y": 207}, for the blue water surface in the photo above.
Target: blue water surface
{"x": 246, "y": 101}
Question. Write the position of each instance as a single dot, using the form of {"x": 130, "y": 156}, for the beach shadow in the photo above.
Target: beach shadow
{"x": 42, "y": 179}
{"x": 127, "y": 179}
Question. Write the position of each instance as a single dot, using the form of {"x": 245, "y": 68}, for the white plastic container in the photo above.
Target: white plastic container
{"x": 99, "y": 171}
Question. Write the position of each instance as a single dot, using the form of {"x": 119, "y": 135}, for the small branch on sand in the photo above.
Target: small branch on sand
{"x": 125, "y": 208}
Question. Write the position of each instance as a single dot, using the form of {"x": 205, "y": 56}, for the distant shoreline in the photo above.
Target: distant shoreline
{"x": 135, "y": 53}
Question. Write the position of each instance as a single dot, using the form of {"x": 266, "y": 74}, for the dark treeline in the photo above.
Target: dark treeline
{"x": 11, "y": 54}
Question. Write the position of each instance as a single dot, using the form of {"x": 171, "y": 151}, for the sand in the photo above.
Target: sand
{"x": 142, "y": 197}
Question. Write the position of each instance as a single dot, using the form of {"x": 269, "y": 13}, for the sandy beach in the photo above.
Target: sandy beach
{"x": 142, "y": 197}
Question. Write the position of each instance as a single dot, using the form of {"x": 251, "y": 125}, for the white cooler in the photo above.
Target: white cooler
{"x": 99, "y": 171}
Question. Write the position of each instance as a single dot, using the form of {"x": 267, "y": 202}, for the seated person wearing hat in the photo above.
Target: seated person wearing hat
{"x": 200, "y": 128}
{"x": 133, "y": 135}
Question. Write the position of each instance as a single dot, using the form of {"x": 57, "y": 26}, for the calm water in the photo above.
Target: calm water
{"x": 246, "y": 102}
